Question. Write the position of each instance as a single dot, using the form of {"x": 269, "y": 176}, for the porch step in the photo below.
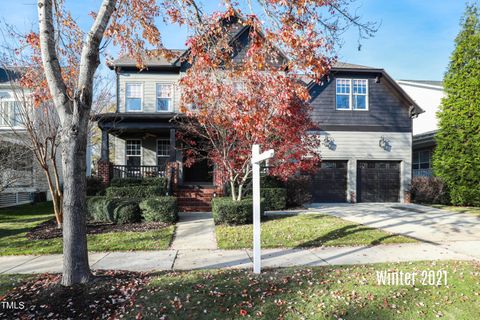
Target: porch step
{"x": 196, "y": 199}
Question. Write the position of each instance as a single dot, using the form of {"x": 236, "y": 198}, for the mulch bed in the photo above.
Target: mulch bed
{"x": 49, "y": 230}
{"x": 110, "y": 295}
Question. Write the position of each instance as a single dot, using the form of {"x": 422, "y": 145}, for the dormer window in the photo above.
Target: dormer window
{"x": 164, "y": 97}
{"x": 352, "y": 94}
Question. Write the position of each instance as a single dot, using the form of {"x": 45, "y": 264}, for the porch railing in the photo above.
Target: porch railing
{"x": 122, "y": 172}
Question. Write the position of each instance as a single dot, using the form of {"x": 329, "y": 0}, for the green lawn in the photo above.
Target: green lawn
{"x": 468, "y": 210}
{"x": 349, "y": 292}
{"x": 307, "y": 230}
{"x": 16, "y": 222}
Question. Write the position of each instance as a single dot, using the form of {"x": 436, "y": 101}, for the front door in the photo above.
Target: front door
{"x": 201, "y": 172}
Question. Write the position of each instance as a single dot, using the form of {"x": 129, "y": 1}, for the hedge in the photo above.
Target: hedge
{"x": 227, "y": 211}
{"x": 138, "y": 191}
{"x": 298, "y": 190}
{"x": 275, "y": 198}
{"x": 127, "y": 211}
{"x": 160, "y": 209}
{"x": 128, "y": 182}
{"x": 113, "y": 210}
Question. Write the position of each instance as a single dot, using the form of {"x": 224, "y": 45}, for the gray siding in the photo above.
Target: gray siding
{"x": 149, "y": 82}
{"x": 357, "y": 146}
{"x": 387, "y": 111}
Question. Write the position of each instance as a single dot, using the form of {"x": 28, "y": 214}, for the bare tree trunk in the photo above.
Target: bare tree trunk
{"x": 76, "y": 268}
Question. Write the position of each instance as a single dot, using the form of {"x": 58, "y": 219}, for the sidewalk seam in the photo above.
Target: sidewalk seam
{"x": 21, "y": 264}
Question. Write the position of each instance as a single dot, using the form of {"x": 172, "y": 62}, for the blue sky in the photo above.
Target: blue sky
{"x": 414, "y": 41}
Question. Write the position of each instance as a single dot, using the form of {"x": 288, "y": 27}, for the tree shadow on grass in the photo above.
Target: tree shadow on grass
{"x": 342, "y": 233}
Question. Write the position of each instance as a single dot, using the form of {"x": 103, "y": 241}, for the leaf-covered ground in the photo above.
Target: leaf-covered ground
{"x": 308, "y": 230}
{"x": 17, "y": 222}
{"x": 318, "y": 293}
{"x": 333, "y": 292}
{"x": 110, "y": 295}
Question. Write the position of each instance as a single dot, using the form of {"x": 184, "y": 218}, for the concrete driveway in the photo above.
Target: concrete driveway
{"x": 420, "y": 222}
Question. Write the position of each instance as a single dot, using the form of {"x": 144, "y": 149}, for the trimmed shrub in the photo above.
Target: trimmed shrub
{"x": 160, "y": 209}
{"x": 94, "y": 204}
{"x": 121, "y": 211}
{"x": 139, "y": 192}
{"x": 271, "y": 182}
{"x": 95, "y": 186}
{"x": 128, "y": 182}
{"x": 275, "y": 198}
{"x": 429, "y": 190}
{"x": 127, "y": 211}
{"x": 298, "y": 191}
{"x": 227, "y": 211}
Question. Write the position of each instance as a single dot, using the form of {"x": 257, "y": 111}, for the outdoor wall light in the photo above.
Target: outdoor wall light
{"x": 329, "y": 142}
{"x": 384, "y": 143}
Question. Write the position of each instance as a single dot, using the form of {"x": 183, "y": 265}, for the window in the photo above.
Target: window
{"x": 422, "y": 159}
{"x": 133, "y": 152}
{"x": 343, "y": 94}
{"x": 163, "y": 152}
{"x": 10, "y": 113}
{"x": 134, "y": 97}
{"x": 352, "y": 94}
{"x": 359, "y": 94}
{"x": 164, "y": 97}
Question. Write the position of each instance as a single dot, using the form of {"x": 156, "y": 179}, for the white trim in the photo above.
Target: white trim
{"x": 172, "y": 96}
{"x": 142, "y": 97}
{"x": 350, "y": 96}
{"x": 141, "y": 150}
{"x": 156, "y": 154}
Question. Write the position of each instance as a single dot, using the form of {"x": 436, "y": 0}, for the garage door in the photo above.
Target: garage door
{"x": 378, "y": 181}
{"x": 330, "y": 182}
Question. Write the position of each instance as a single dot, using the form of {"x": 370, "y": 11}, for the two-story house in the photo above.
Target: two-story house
{"x": 22, "y": 176}
{"x": 365, "y": 122}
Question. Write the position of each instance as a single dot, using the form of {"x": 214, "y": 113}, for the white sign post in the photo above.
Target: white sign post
{"x": 257, "y": 158}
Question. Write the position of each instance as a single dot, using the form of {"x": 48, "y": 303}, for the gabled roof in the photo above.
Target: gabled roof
{"x": 159, "y": 61}
{"x": 355, "y": 68}
{"x": 434, "y": 83}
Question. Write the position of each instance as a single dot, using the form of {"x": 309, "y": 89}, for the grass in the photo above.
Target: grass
{"x": 16, "y": 222}
{"x": 468, "y": 210}
{"x": 307, "y": 230}
{"x": 349, "y": 292}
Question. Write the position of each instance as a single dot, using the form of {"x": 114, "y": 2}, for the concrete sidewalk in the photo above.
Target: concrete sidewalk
{"x": 194, "y": 230}
{"x": 187, "y": 259}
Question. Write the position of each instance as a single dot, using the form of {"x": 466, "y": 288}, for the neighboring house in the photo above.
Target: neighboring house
{"x": 428, "y": 95}
{"x": 365, "y": 122}
{"x": 33, "y": 180}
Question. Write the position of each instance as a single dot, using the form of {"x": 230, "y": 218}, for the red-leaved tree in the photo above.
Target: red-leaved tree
{"x": 243, "y": 87}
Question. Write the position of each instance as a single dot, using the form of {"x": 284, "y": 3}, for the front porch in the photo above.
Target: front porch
{"x": 142, "y": 146}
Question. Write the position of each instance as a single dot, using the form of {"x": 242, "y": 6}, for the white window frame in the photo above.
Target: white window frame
{"x": 141, "y": 151}
{"x": 351, "y": 95}
{"x": 172, "y": 97}
{"x": 163, "y": 156}
{"x": 141, "y": 96}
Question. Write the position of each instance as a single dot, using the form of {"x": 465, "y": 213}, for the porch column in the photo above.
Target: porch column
{"x": 173, "y": 152}
{"x": 105, "y": 155}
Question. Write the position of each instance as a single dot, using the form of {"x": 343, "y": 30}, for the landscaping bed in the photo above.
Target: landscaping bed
{"x": 16, "y": 224}
{"x": 329, "y": 292}
{"x": 49, "y": 230}
{"x": 306, "y": 230}
{"x": 110, "y": 295}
